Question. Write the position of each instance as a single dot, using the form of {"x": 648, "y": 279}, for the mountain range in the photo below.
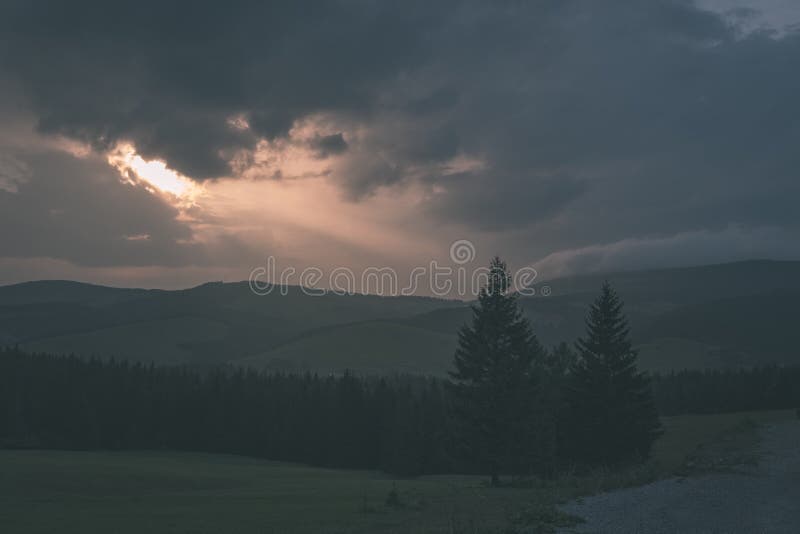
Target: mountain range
{"x": 727, "y": 315}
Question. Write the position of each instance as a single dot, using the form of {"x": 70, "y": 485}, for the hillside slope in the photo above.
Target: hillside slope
{"x": 369, "y": 347}
{"x": 710, "y": 316}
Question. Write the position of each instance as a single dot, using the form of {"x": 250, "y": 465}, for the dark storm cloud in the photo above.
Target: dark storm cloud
{"x": 167, "y": 75}
{"x": 657, "y": 118}
{"x": 325, "y": 145}
{"x": 594, "y": 122}
{"x": 503, "y": 201}
{"x": 78, "y": 210}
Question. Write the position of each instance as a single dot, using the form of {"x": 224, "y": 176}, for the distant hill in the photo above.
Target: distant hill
{"x": 210, "y": 323}
{"x": 710, "y": 316}
{"x": 372, "y": 347}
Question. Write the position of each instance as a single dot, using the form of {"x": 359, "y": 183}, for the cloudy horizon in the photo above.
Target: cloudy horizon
{"x": 165, "y": 146}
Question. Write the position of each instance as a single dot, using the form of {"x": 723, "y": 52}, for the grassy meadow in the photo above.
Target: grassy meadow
{"x": 163, "y": 492}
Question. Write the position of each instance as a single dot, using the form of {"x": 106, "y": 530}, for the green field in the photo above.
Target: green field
{"x": 155, "y": 492}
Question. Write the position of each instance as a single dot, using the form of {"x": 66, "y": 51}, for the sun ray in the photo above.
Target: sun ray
{"x": 154, "y": 174}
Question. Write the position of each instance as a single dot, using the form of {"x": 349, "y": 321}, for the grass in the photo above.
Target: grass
{"x": 687, "y": 436}
{"x": 134, "y": 492}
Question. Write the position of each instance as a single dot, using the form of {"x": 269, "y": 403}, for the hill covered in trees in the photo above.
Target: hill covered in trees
{"x": 718, "y": 316}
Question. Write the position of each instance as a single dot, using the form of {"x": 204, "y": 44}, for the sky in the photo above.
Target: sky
{"x": 165, "y": 144}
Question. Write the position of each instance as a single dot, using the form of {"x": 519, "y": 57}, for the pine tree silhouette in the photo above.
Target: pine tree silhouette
{"x": 610, "y": 415}
{"x": 496, "y": 383}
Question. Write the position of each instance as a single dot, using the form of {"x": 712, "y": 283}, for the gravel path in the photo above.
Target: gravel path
{"x": 766, "y": 499}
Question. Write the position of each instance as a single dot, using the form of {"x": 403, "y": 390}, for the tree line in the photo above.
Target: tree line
{"x": 398, "y": 425}
{"x": 509, "y": 407}
{"x": 767, "y": 387}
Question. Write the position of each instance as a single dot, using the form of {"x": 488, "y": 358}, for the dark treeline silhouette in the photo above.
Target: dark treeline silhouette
{"x": 398, "y": 425}
{"x": 768, "y": 387}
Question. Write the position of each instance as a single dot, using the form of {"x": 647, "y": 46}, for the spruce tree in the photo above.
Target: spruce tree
{"x": 610, "y": 412}
{"x": 497, "y": 384}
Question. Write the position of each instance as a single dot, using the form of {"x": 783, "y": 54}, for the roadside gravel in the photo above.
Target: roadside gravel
{"x": 760, "y": 499}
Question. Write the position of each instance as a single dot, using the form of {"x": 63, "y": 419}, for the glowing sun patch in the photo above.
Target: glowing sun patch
{"x": 154, "y": 174}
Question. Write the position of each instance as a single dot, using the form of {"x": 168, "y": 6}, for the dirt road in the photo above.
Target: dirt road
{"x": 760, "y": 499}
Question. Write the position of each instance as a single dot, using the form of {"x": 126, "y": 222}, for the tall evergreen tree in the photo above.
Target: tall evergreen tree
{"x": 610, "y": 413}
{"x": 497, "y": 384}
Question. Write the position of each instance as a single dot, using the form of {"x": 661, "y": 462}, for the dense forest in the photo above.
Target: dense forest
{"x": 770, "y": 387}
{"x": 66, "y": 402}
{"x": 399, "y": 425}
